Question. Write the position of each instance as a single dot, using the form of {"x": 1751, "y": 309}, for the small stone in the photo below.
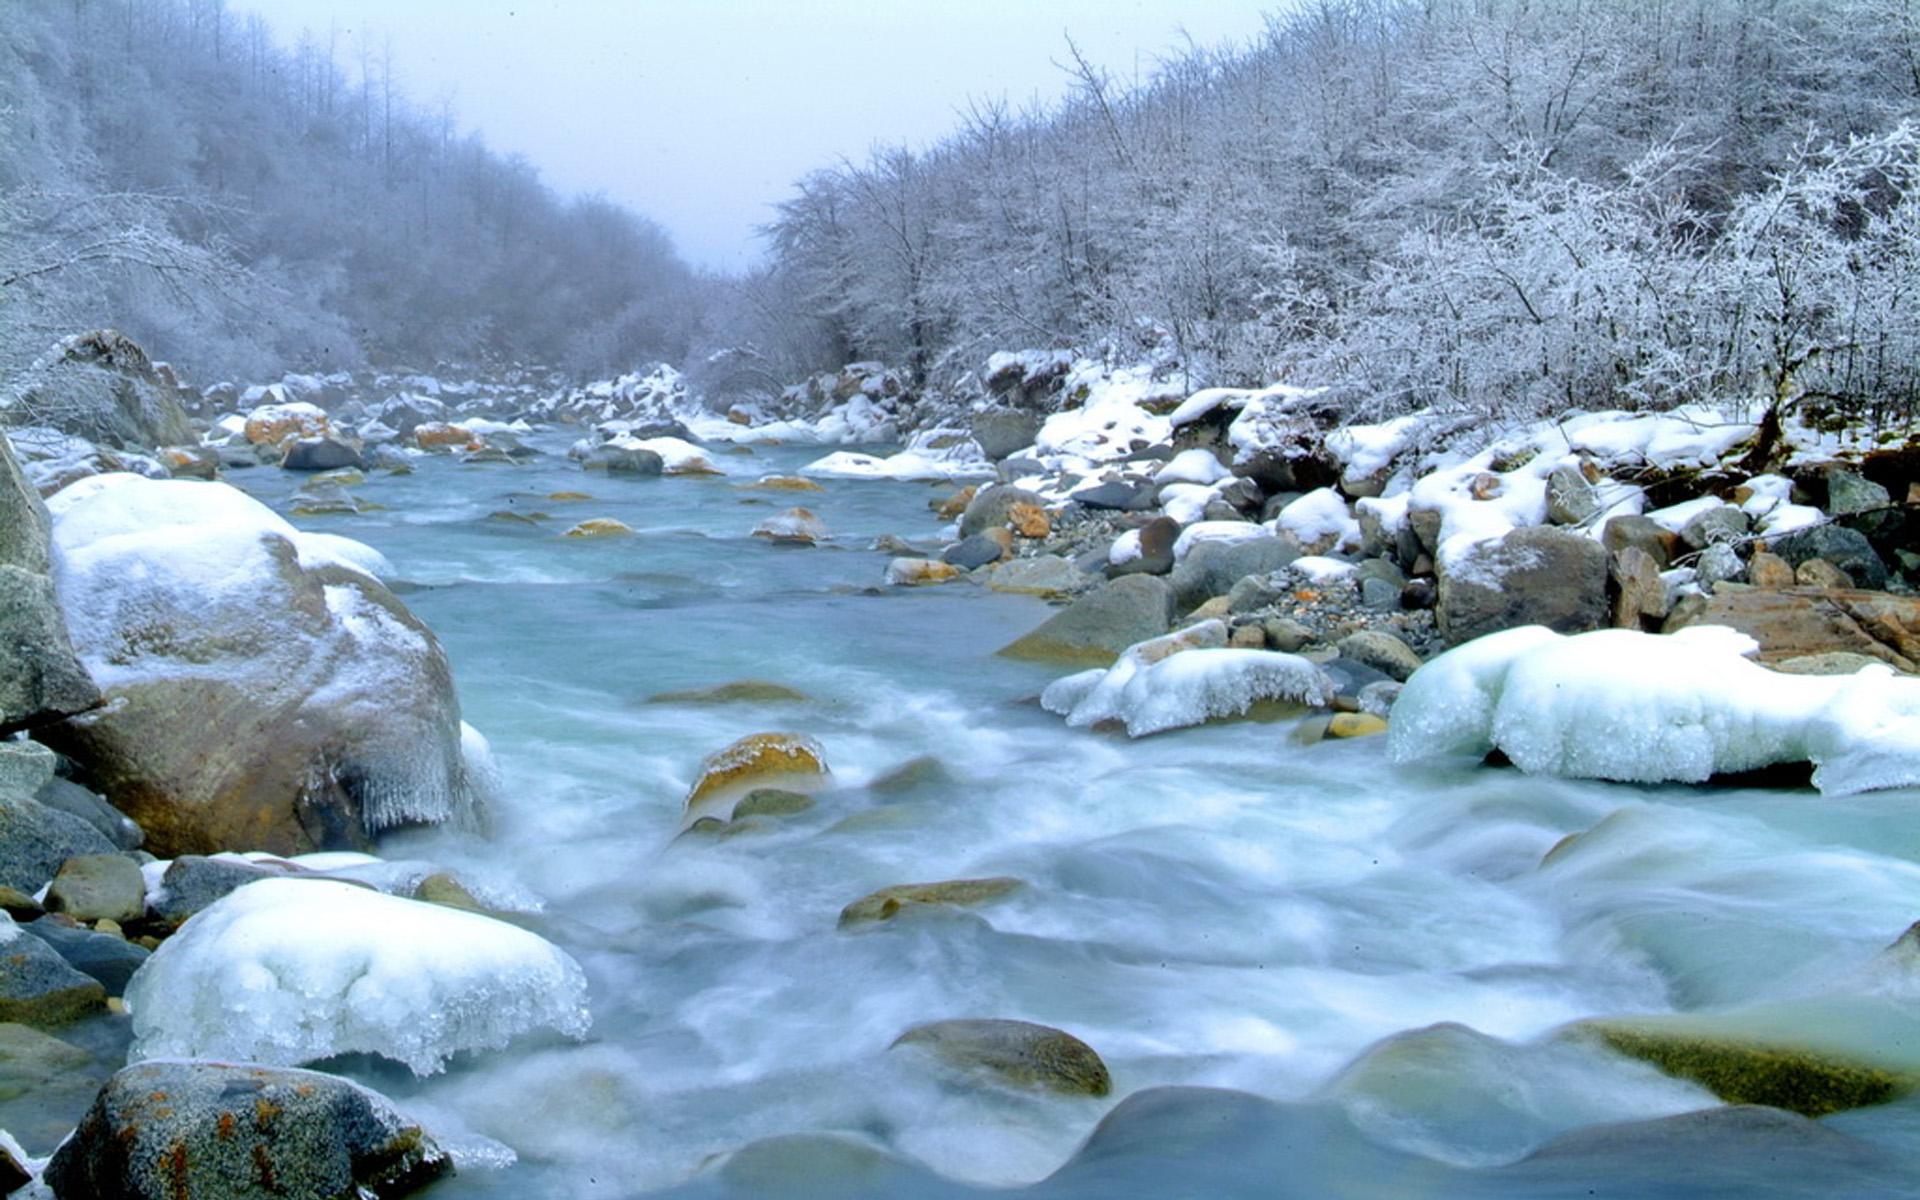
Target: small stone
{"x": 1380, "y": 595}
{"x": 1642, "y": 595}
{"x": 794, "y": 527}
{"x": 1029, "y": 520}
{"x": 1098, "y": 626}
{"x": 599, "y": 527}
{"x": 889, "y": 902}
{"x": 443, "y": 889}
{"x": 949, "y": 507}
{"x": 1850, "y": 493}
{"x": 192, "y": 882}
{"x": 1819, "y": 573}
{"x": 96, "y": 887}
{"x": 977, "y": 551}
{"x": 740, "y": 691}
{"x": 1766, "y": 570}
{"x": 771, "y": 802}
{"x": 917, "y": 572}
{"x": 1381, "y": 651}
{"x": 755, "y": 758}
{"x": 1286, "y": 634}
{"x": 103, "y": 957}
{"x": 1157, "y": 538}
{"x": 785, "y": 483}
{"x": 567, "y": 497}
{"x": 18, "y": 905}
{"x": 1212, "y": 610}
{"x": 1247, "y": 637}
{"x": 1715, "y": 526}
{"x": 1377, "y": 698}
{"x": 1571, "y": 499}
{"x": 989, "y": 508}
{"x": 37, "y": 987}
{"x": 1256, "y": 592}
{"x": 25, "y": 768}
{"x": 1719, "y": 563}
{"x": 1845, "y": 548}
{"x": 1642, "y": 532}
{"x": 1019, "y": 1051}
{"x": 1355, "y": 725}
{"x": 1040, "y": 575}
{"x": 1833, "y": 662}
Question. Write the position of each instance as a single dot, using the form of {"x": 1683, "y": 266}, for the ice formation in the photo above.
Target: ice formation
{"x": 1184, "y": 678}
{"x": 1637, "y": 707}
{"x": 289, "y": 971}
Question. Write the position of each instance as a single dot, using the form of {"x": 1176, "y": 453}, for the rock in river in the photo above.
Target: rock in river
{"x": 1019, "y": 1051}
{"x": 1096, "y": 628}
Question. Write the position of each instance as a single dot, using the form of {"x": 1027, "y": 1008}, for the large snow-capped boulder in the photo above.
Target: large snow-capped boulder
{"x": 40, "y": 679}
{"x": 289, "y": 971}
{"x": 101, "y": 386}
{"x": 1802, "y": 622}
{"x": 160, "y": 1131}
{"x": 1184, "y": 678}
{"x": 265, "y": 690}
{"x": 1538, "y": 575}
{"x": 1639, "y": 707}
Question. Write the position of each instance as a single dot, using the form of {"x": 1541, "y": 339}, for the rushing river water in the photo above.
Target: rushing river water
{"x": 1218, "y": 908}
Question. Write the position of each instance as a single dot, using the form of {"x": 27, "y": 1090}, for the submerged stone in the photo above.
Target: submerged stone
{"x": 1018, "y": 1051}
{"x": 890, "y": 902}
{"x": 1811, "y": 1082}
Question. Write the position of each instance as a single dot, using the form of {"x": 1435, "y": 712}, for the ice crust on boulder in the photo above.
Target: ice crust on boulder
{"x": 1646, "y": 708}
{"x": 290, "y": 971}
{"x": 1185, "y": 678}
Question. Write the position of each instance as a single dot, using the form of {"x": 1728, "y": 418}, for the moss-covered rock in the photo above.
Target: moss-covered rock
{"x": 1739, "y": 1070}
{"x": 1018, "y": 1051}
{"x": 889, "y": 902}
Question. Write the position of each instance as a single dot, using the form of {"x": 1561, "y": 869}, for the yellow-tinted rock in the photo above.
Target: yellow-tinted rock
{"x": 784, "y": 483}
{"x": 888, "y": 902}
{"x": 599, "y": 527}
{"x": 563, "y": 497}
{"x": 1029, "y": 520}
{"x": 952, "y": 506}
{"x": 443, "y": 889}
{"x": 279, "y": 423}
{"x": 1353, "y": 725}
{"x": 794, "y": 527}
{"x": 438, "y": 435}
{"x": 740, "y": 691}
{"x": 1810, "y": 1082}
{"x": 913, "y": 572}
{"x": 754, "y": 760}
{"x": 1018, "y": 1051}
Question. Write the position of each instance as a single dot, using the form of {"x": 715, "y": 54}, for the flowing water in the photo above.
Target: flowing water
{"x": 1218, "y": 907}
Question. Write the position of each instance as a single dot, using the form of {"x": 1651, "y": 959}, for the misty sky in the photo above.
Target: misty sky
{"x": 701, "y": 113}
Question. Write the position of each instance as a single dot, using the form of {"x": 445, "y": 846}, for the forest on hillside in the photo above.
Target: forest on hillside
{"x": 244, "y": 208}
{"x": 1512, "y": 206}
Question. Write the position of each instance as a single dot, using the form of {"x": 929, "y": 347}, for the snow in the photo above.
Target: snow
{"x": 1320, "y": 520}
{"x": 289, "y": 971}
{"x": 1181, "y": 679}
{"x": 1193, "y": 466}
{"x": 1772, "y": 509}
{"x": 1125, "y": 548}
{"x": 1675, "y": 517}
{"x": 1693, "y": 435}
{"x": 1215, "y": 531}
{"x": 1321, "y": 569}
{"x": 1636, "y": 707}
{"x": 907, "y": 465}
{"x": 677, "y": 455}
{"x": 1268, "y": 421}
{"x": 1186, "y": 502}
{"x": 1108, "y": 427}
{"x": 1367, "y": 450}
{"x": 1511, "y": 500}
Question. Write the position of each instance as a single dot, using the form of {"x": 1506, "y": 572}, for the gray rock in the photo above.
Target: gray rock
{"x": 1571, "y": 500}
{"x": 320, "y": 454}
{"x": 1244, "y": 495}
{"x": 191, "y": 883}
{"x": 1157, "y": 538}
{"x": 624, "y": 460}
{"x": 1286, "y": 634}
{"x": 975, "y": 551}
{"x": 1097, "y": 627}
{"x": 64, "y": 795}
{"x": 1377, "y": 595}
{"x": 1845, "y": 548}
{"x": 1540, "y": 575}
{"x": 99, "y": 887}
{"x": 1850, "y": 493}
{"x": 1001, "y": 431}
{"x": 1819, "y": 573}
{"x": 1118, "y": 496}
{"x": 1273, "y": 505}
{"x": 989, "y": 508}
{"x": 1019, "y": 1051}
{"x": 1719, "y": 563}
{"x": 1714, "y": 527}
{"x": 221, "y": 1131}
{"x": 1212, "y": 568}
{"x": 1220, "y": 510}
{"x": 1382, "y": 651}
{"x": 46, "y": 1085}
{"x": 109, "y": 960}
{"x": 40, "y": 679}
{"x": 25, "y": 767}
{"x": 1256, "y": 592}
{"x": 37, "y": 987}
{"x": 1643, "y": 533}
{"x": 35, "y": 840}
{"x": 1040, "y": 575}
{"x": 1376, "y": 699}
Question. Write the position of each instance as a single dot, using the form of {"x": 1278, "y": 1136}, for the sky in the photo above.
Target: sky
{"x": 702, "y": 113}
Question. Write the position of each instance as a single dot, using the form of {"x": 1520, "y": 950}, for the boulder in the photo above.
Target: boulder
{"x": 266, "y": 690}
{"x": 37, "y": 987}
{"x": 1719, "y": 563}
{"x": 321, "y": 454}
{"x": 1768, "y": 570}
{"x": 1355, "y": 725}
{"x": 35, "y": 840}
{"x": 624, "y": 460}
{"x": 223, "y": 1131}
{"x": 1845, "y": 548}
{"x": 102, "y": 386}
{"x": 26, "y": 768}
{"x": 1099, "y": 625}
{"x": 739, "y": 691}
{"x": 599, "y": 527}
{"x": 1718, "y": 526}
{"x": 755, "y": 761}
{"x": 190, "y": 462}
{"x": 794, "y": 527}
{"x": 1004, "y": 431}
{"x": 1029, "y": 520}
{"x": 1850, "y": 493}
{"x": 40, "y": 678}
{"x": 1540, "y": 575}
{"x": 193, "y": 882}
{"x": 64, "y": 795}
{"x": 1744, "y": 1070}
{"x": 1157, "y": 539}
{"x": 1797, "y": 622}
{"x": 915, "y": 572}
{"x": 890, "y": 902}
{"x": 1819, "y": 573}
{"x": 1117, "y": 496}
{"x": 108, "y": 960}
{"x": 1643, "y": 533}
{"x": 976, "y": 551}
{"x": 1571, "y": 498}
{"x": 1212, "y": 568}
{"x": 1018, "y": 1051}
{"x": 99, "y": 887}
{"x": 1040, "y": 575}
{"x": 992, "y": 508}
{"x": 1640, "y": 594}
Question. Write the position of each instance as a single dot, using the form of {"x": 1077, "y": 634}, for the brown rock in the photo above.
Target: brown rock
{"x": 889, "y": 902}
{"x": 438, "y": 435}
{"x": 1247, "y": 637}
{"x": 1798, "y": 622}
{"x": 1019, "y": 1051}
{"x": 1819, "y": 573}
{"x": 1029, "y": 520}
{"x": 754, "y": 761}
{"x": 281, "y": 425}
{"x": 1642, "y": 596}
{"x": 1770, "y": 571}
{"x": 599, "y": 527}
{"x": 1644, "y": 532}
{"x": 916, "y": 572}
{"x": 949, "y": 507}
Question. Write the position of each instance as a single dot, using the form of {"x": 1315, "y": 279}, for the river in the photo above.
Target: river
{"x": 1218, "y": 907}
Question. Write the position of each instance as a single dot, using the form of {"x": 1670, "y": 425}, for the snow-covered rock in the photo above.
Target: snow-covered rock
{"x": 1637, "y": 707}
{"x": 1320, "y": 521}
{"x": 265, "y": 688}
{"x": 289, "y": 971}
{"x": 1193, "y": 466}
{"x": 1184, "y": 678}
